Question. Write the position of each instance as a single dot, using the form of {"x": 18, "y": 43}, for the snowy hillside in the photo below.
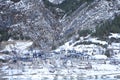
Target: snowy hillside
{"x": 49, "y": 25}
{"x": 59, "y": 39}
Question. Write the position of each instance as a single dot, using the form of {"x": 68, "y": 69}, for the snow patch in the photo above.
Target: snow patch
{"x": 17, "y": 45}
{"x": 114, "y": 35}
{"x": 56, "y": 1}
{"x": 95, "y": 40}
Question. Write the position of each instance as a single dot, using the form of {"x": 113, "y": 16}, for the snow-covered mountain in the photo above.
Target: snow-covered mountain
{"x": 88, "y": 16}
{"x": 35, "y": 31}
{"x": 59, "y": 39}
{"x": 31, "y": 19}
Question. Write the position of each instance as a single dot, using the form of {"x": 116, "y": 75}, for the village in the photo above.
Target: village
{"x": 71, "y": 54}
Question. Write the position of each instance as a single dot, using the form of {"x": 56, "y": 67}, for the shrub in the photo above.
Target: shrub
{"x": 108, "y": 53}
{"x": 68, "y": 5}
{"x": 4, "y": 36}
{"x": 84, "y": 32}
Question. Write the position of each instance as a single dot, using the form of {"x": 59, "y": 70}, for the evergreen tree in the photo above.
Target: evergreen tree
{"x": 108, "y": 27}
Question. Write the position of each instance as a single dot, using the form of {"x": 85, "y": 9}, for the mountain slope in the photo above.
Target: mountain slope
{"x": 92, "y": 15}
{"x": 31, "y": 19}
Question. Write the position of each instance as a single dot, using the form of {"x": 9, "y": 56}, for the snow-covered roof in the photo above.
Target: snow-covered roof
{"x": 56, "y": 1}
{"x": 99, "y": 57}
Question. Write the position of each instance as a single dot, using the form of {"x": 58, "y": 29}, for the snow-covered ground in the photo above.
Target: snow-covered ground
{"x": 99, "y": 72}
{"x": 20, "y": 45}
{"x": 114, "y": 35}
